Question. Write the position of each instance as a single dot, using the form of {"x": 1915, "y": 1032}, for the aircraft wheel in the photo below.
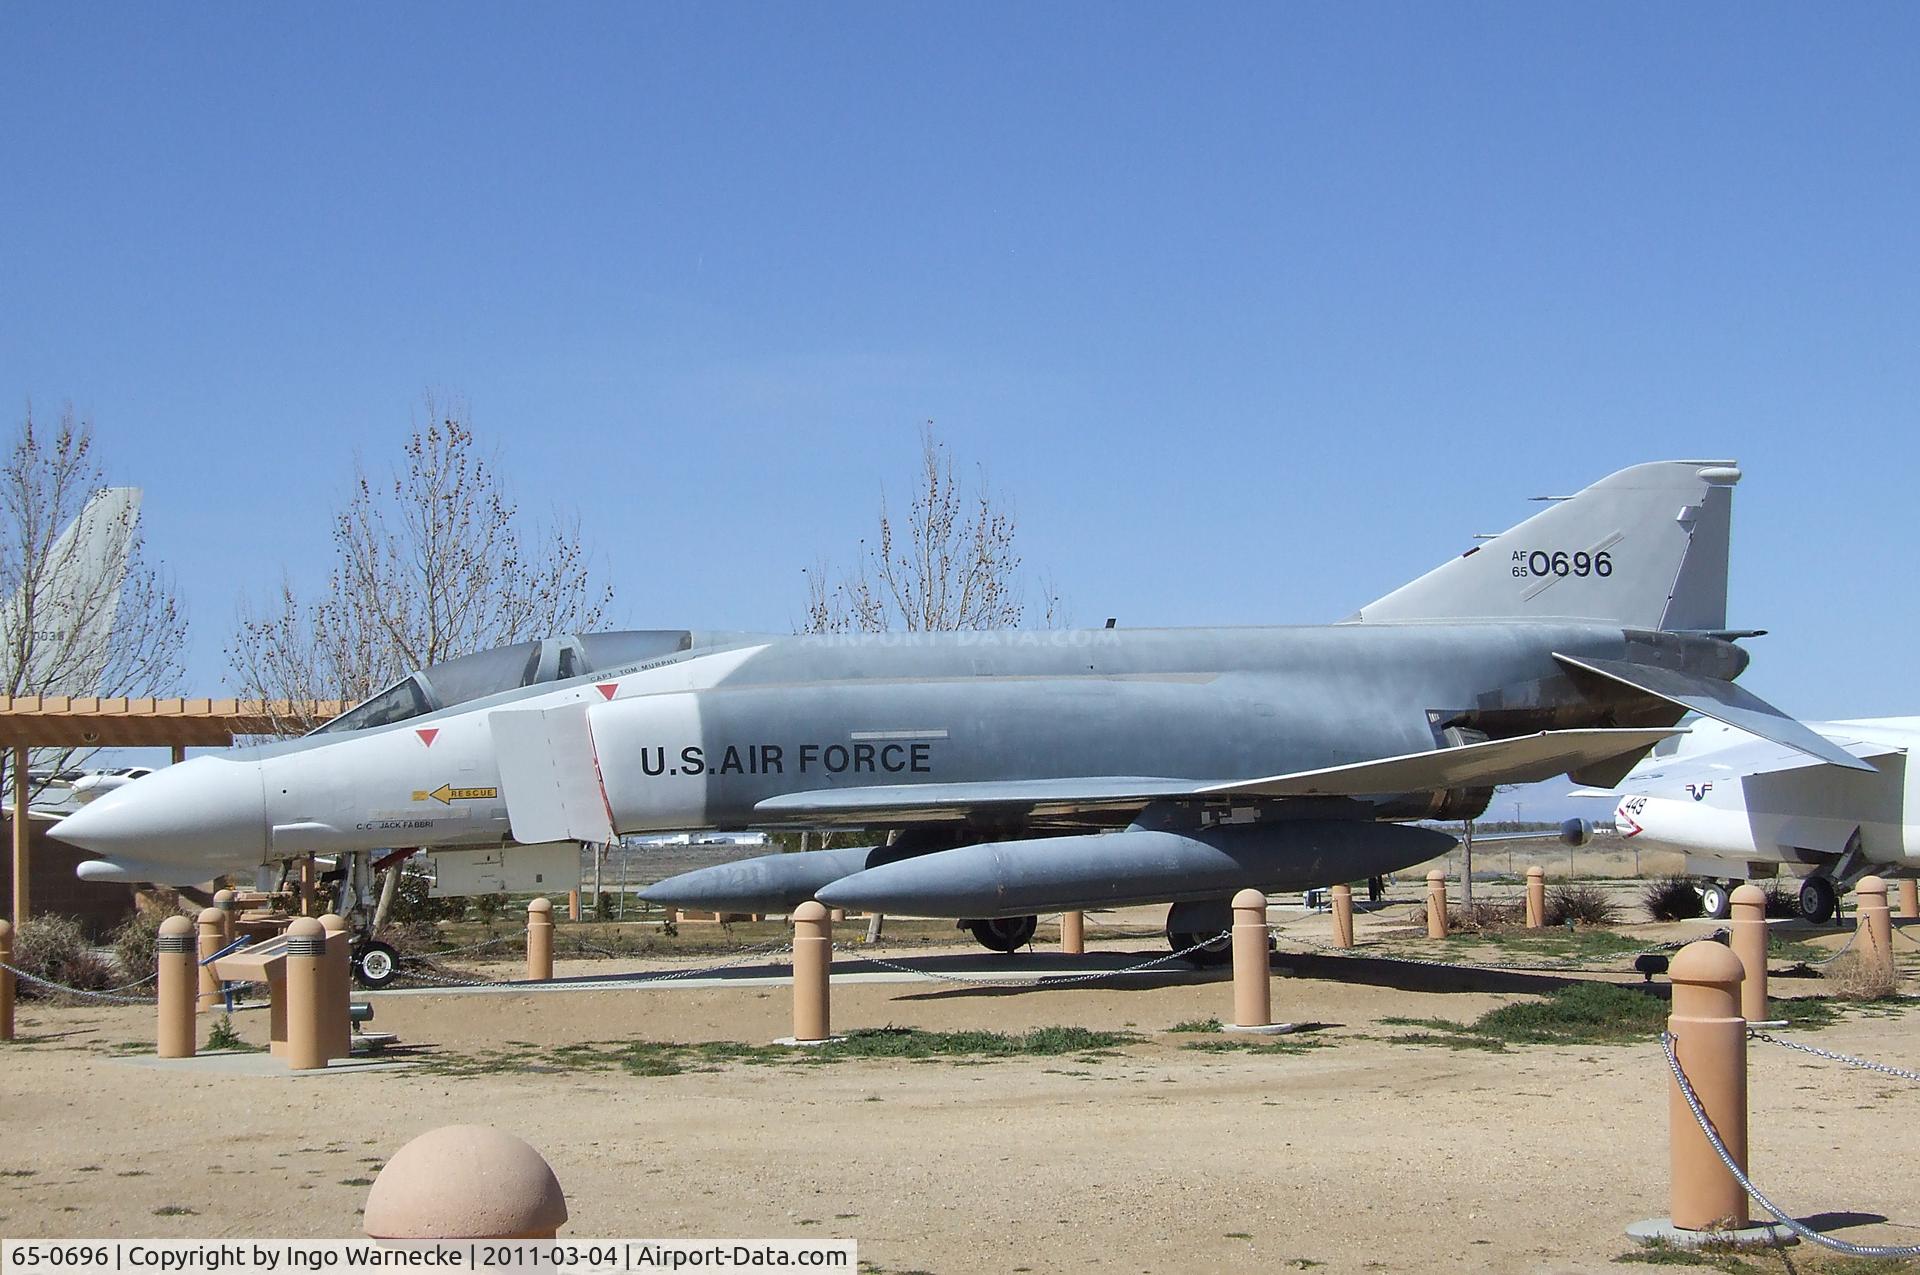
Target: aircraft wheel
{"x": 1818, "y": 899}
{"x": 375, "y": 964}
{"x": 1716, "y": 901}
{"x": 1218, "y": 952}
{"x": 1004, "y": 933}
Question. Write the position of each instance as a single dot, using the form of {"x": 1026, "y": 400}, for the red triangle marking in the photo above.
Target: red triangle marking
{"x": 426, "y": 735}
{"x": 607, "y": 688}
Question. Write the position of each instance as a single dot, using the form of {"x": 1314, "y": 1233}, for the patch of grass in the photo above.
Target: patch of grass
{"x": 1256, "y": 1045}
{"x": 1196, "y": 1025}
{"x": 175, "y": 1210}
{"x": 356, "y": 1181}
{"x": 18, "y": 1173}
{"x": 1582, "y": 1014}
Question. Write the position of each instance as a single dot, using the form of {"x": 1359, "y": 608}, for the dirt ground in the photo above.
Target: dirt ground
{"x": 1357, "y": 1153}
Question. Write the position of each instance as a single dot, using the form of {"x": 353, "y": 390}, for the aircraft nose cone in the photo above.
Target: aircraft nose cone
{"x": 206, "y": 813}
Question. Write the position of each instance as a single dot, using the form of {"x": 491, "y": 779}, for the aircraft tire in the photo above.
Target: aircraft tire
{"x": 1716, "y": 901}
{"x": 1212, "y": 956}
{"x": 375, "y": 964}
{"x": 1005, "y": 934}
{"x": 1818, "y": 900}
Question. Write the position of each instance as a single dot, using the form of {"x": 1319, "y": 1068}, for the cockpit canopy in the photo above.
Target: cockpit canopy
{"x": 506, "y": 668}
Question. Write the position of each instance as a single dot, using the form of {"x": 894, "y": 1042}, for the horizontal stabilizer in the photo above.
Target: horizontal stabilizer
{"x": 1498, "y": 761}
{"x": 549, "y": 775}
{"x": 1722, "y": 701}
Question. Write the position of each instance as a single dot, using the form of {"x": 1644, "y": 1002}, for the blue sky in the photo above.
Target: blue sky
{"x": 1256, "y": 312}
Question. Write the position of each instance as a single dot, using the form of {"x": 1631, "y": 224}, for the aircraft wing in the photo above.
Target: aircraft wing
{"x": 1722, "y": 701}
{"x": 1501, "y": 761}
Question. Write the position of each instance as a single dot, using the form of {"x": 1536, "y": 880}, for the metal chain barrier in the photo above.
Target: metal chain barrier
{"x": 1868, "y": 1064}
{"x": 1036, "y": 980}
{"x": 471, "y": 947}
{"x": 1511, "y": 967}
{"x": 110, "y": 994}
{"x": 1793, "y": 1224}
{"x": 751, "y": 955}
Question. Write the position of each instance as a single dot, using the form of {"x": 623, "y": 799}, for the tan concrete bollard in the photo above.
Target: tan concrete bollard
{"x": 1749, "y": 926}
{"x": 1875, "y": 922}
{"x": 338, "y": 1002}
{"x": 1711, "y": 1043}
{"x": 1909, "y": 898}
{"x": 306, "y": 995}
{"x": 174, "y": 955}
{"x": 1073, "y": 933}
{"x": 540, "y": 940}
{"x": 1436, "y": 904}
{"x": 6, "y": 980}
{"x": 211, "y": 932}
{"x": 223, "y": 899}
{"x": 1252, "y": 972}
{"x": 812, "y": 969}
{"x": 1343, "y": 915}
{"x": 465, "y": 1182}
{"x": 1536, "y": 897}
{"x": 573, "y": 905}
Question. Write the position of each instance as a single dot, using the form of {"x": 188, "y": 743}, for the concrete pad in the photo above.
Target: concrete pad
{"x": 1759, "y": 1236}
{"x": 238, "y": 1063}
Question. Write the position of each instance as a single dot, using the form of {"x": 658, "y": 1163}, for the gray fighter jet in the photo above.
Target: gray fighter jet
{"x": 1015, "y": 773}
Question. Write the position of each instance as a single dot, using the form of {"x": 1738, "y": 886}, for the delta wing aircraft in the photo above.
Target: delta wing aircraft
{"x": 1739, "y": 806}
{"x": 1015, "y": 773}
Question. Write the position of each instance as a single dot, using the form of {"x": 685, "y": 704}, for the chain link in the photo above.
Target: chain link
{"x": 1551, "y": 967}
{"x": 111, "y": 994}
{"x": 1884, "y": 1068}
{"x": 1037, "y": 980}
{"x": 1739, "y": 1175}
{"x": 765, "y": 951}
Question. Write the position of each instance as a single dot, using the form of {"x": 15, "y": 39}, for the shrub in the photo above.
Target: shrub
{"x": 487, "y": 907}
{"x": 1855, "y": 978}
{"x": 1673, "y": 898}
{"x": 1781, "y": 901}
{"x": 55, "y": 948}
{"x": 1580, "y": 904}
{"x": 414, "y": 902}
{"x": 133, "y": 944}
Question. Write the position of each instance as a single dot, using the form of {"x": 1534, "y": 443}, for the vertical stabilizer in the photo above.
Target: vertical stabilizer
{"x": 62, "y": 616}
{"x": 1643, "y": 548}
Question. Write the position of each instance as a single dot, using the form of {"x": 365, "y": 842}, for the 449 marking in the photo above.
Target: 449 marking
{"x": 1558, "y": 562}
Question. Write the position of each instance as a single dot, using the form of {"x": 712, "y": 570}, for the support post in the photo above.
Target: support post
{"x": 1343, "y": 915}
{"x": 223, "y": 899}
{"x": 174, "y": 954}
{"x": 1909, "y": 898}
{"x": 337, "y": 1005}
{"x": 1536, "y": 897}
{"x": 6, "y": 981}
{"x": 306, "y": 995}
{"x": 1711, "y": 1043}
{"x": 306, "y": 885}
{"x": 540, "y": 940}
{"x": 573, "y": 905}
{"x": 812, "y": 971}
{"x": 22, "y": 830}
{"x": 1073, "y": 933}
{"x": 1252, "y": 973}
{"x": 1436, "y": 904}
{"x": 212, "y": 929}
{"x": 1875, "y": 922}
{"x": 1749, "y": 926}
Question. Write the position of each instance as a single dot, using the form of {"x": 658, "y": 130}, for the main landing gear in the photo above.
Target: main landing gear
{"x": 1005, "y": 934}
{"x": 1819, "y": 899}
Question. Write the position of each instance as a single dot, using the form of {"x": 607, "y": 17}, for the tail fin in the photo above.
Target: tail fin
{"x": 75, "y": 597}
{"x": 1644, "y": 548}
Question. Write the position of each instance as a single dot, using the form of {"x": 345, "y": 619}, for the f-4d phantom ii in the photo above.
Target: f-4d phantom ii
{"x": 1016, "y": 773}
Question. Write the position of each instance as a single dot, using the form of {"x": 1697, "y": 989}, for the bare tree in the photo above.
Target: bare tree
{"x": 951, "y": 565}
{"x": 81, "y": 611}
{"x": 430, "y": 564}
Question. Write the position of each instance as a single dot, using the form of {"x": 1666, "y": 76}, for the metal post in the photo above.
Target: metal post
{"x": 1749, "y": 927}
{"x": 1252, "y": 972}
{"x": 812, "y": 974}
{"x": 1536, "y": 897}
{"x": 540, "y": 940}
{"x": 1466, "y": 868}
{"x": 212, "y": 938}
{"x": 174, "y": 955}
{"x": 6, "y": 981}
{"x": 1436, "y": 904}
{"x": 1343, "y": 915}
{"x": 22, "y": 830}
{"x": 1875, "y": 922}
{"x": 1073, "y": 933}
{"x": 306, "y": 995}
{"x": 1711, "y": 1044}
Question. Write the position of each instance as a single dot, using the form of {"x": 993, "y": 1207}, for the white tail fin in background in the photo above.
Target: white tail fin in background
{"x": 71, "y": 603}
{"x": 1643, "y": 548}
